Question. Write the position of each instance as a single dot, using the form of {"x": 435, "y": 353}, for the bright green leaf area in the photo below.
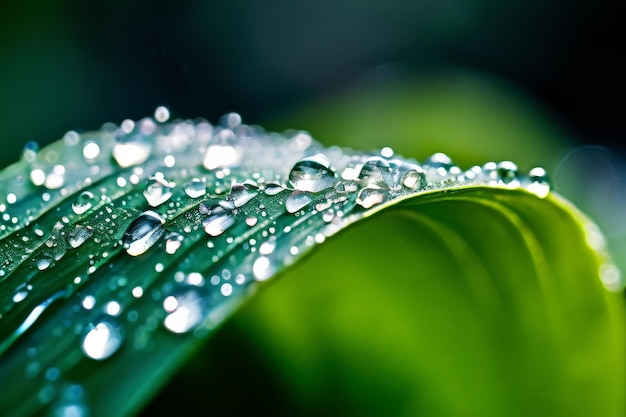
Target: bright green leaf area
{"x": 475, "y": 302}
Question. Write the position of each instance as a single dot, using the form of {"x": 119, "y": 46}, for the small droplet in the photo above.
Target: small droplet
{"x": 173, "y": 241}
{"x": 262, "y": 268}
{"x": 186, "y": 311}
{"x": 102, "y": 340}
{"x": 251, "y": 221}
{"x": 539, "y": 182}
{"x": 195, "y": 188}
{"x": 79, "y": 235}
{"x": 240, "y": 194}
{"x": 312, "y": 174}
{"x": 272, "y": 188}
{"x": 91, "y": 150}
{"x": 157, "y": 191}
{"x": 218, "y": 221}
{"x": 369, "y": 197}
{"x": 230, "y": 120}
{"x": 43, "y": 263}
{"x": 297, "y": 201}
{"x": 162, "y": 114}
{"x": 507, "y": 173}
{"x": 143, "y": 233}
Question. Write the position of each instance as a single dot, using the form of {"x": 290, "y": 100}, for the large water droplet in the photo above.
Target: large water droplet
{"x": 297, "y": 201}
{"x": 240, "y": 194}
{"x": 312, "y": 174}
{"x": 376, "y": 172}
{"x": 195, "y": 188}
{"x": 131, "y": 151}
{"x": 83, "y": 202}
{"x": 102, "y": 340}
{"x": 272, "y": 188}
{"x": 414, "y": 178}
{"x": 507, "y": 173}
{"x": 143, "y": 233}
{"x": 218, "y": 221}
{"x": 79, "y": 235}
{"x": 158, "y": 191}
{"x": 186, "y": 311}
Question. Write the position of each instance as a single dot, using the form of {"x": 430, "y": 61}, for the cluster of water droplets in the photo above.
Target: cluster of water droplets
{"x": 208, "y": 210}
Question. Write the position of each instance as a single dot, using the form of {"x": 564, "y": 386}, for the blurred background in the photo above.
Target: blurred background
{"x": 536, "y": 82}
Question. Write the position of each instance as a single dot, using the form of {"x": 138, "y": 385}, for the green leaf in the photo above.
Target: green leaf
{"x": 124, "y": 249}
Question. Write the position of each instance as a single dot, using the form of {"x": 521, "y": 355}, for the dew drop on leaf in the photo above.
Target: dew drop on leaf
{"x": 186, "y": 310}
{"x": 143, "y": 233}
{"x": 195, "y": 188}
{"x": 218, "y": 221}
{"x": 158, "y": 191}
{"x": 102, "y": 340}
{"x": 312, "y": 174}
{"x": 297, "y": 201}
{"x": 369, "y": 197}
{"x": 83, "y": 202}
{"x": 240, "y": 194}
{"x": 79, "y": 235}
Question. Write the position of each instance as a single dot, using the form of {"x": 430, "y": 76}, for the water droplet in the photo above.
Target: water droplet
{"x": 131, "y": 150}
{"x": 272, "y": 188}
{"x": 218, "y": 221}
{"x": 195, "y": 188}
{"x": 230, "y": 120}
{"x": 507, "y": 173}
{"x": 56, "y": 178}
{"x": 240, "y": 194}
{"x": 162, "y": 114}
{"x": 29, "y": 153}
{"x": 539, "y": 182}
{"x": 251, "y": 221}
{"x": 268, "y": 246}
{"x": 143, "y": 233}
{"x": 173, "y": 241}
{"x": 297, "y": 201}
{"x": 186, "y": 311}
{"x": 79, "y": 235}
{"x": 102, "y": 340}
{"x": 263, "y": 268}
{"x": 217, "y": 156}
{"x": 414, "y": 178}
{"x": 43, "y": 263}
{"x": 376, "y": 172}
{"x": 312, "y": 174}
{"x": 19, "y": 296}
{"x": 157, "y": 191}
{"x": 369, "y": 197}
{"x": 91, "y": 150}
{"x": 346, "y": 186}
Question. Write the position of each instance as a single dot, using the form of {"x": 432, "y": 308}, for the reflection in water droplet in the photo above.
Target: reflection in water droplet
{"x": 143, "y": 233}
{"x": 157, "y": 191}
{"x": 507, "y": 173}
{"x": 240, "y": 194}
{"x": 79, "y": 235}
{"x": 369, "y": 197}
{"x": 102, "y": 340}
{"x": 186, "y": 311}
{"x": 376, "y": 172}
{"x": 83, "y": 202}
{"x": 297, "y": 201}
{"x": 312, "y": 174}
{"x": 539, "y": 182}
{"x": 131, "y": 151}
{"x": 219, "y": 220}
{"x": 414, "y": 178}
{"x": 263, "y": 268}
{"x": 195, "y": 188}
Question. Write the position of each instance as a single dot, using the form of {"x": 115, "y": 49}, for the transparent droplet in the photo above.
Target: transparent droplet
{"x": 195, "y": 188}
{"x": 102, "y": 340}
{"x": 539, "y": 182}
{"x": 507, "y": 173}
{"x": 143, "y": 233}
{"x": 19, "y": 296}
{"x": 369, "y": 197}
{"x": 263, "y": 268}
{"x": 230, "y": 120}
{"x": 83, "y": 202}
{"x": 272, "y": 188}
{"x": 157, "y": 191}
{"x": 162, "y": 114}
{"x": 414, "y": 179}
{"x": 218, "y": 221}
{"x": 29, "y": 153}
{"x": 79, "y": 235}
{"x": 346, "y": 186}
{"x": 43, "y": 263}
{"x": 91, "y": 150}
{"x": 186, "y": 311}
{"x": 218, "y": 156}
{"x": 376, "y": 172}
{"x": 297, "y": 201}
{"x": 268, "y": 246}
{"x": 312, "y": 174}
{"x": 240, "y": 194}
{"x": 55, "y": 178}
{"x": 131, "y": 151}
{"x": 173, "y": 242}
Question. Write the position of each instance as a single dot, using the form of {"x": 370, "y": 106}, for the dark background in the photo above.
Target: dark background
{"x": 75, "y": 64}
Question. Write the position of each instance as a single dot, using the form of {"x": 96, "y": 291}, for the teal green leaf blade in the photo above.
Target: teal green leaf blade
{"x": 124, "y": 249}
